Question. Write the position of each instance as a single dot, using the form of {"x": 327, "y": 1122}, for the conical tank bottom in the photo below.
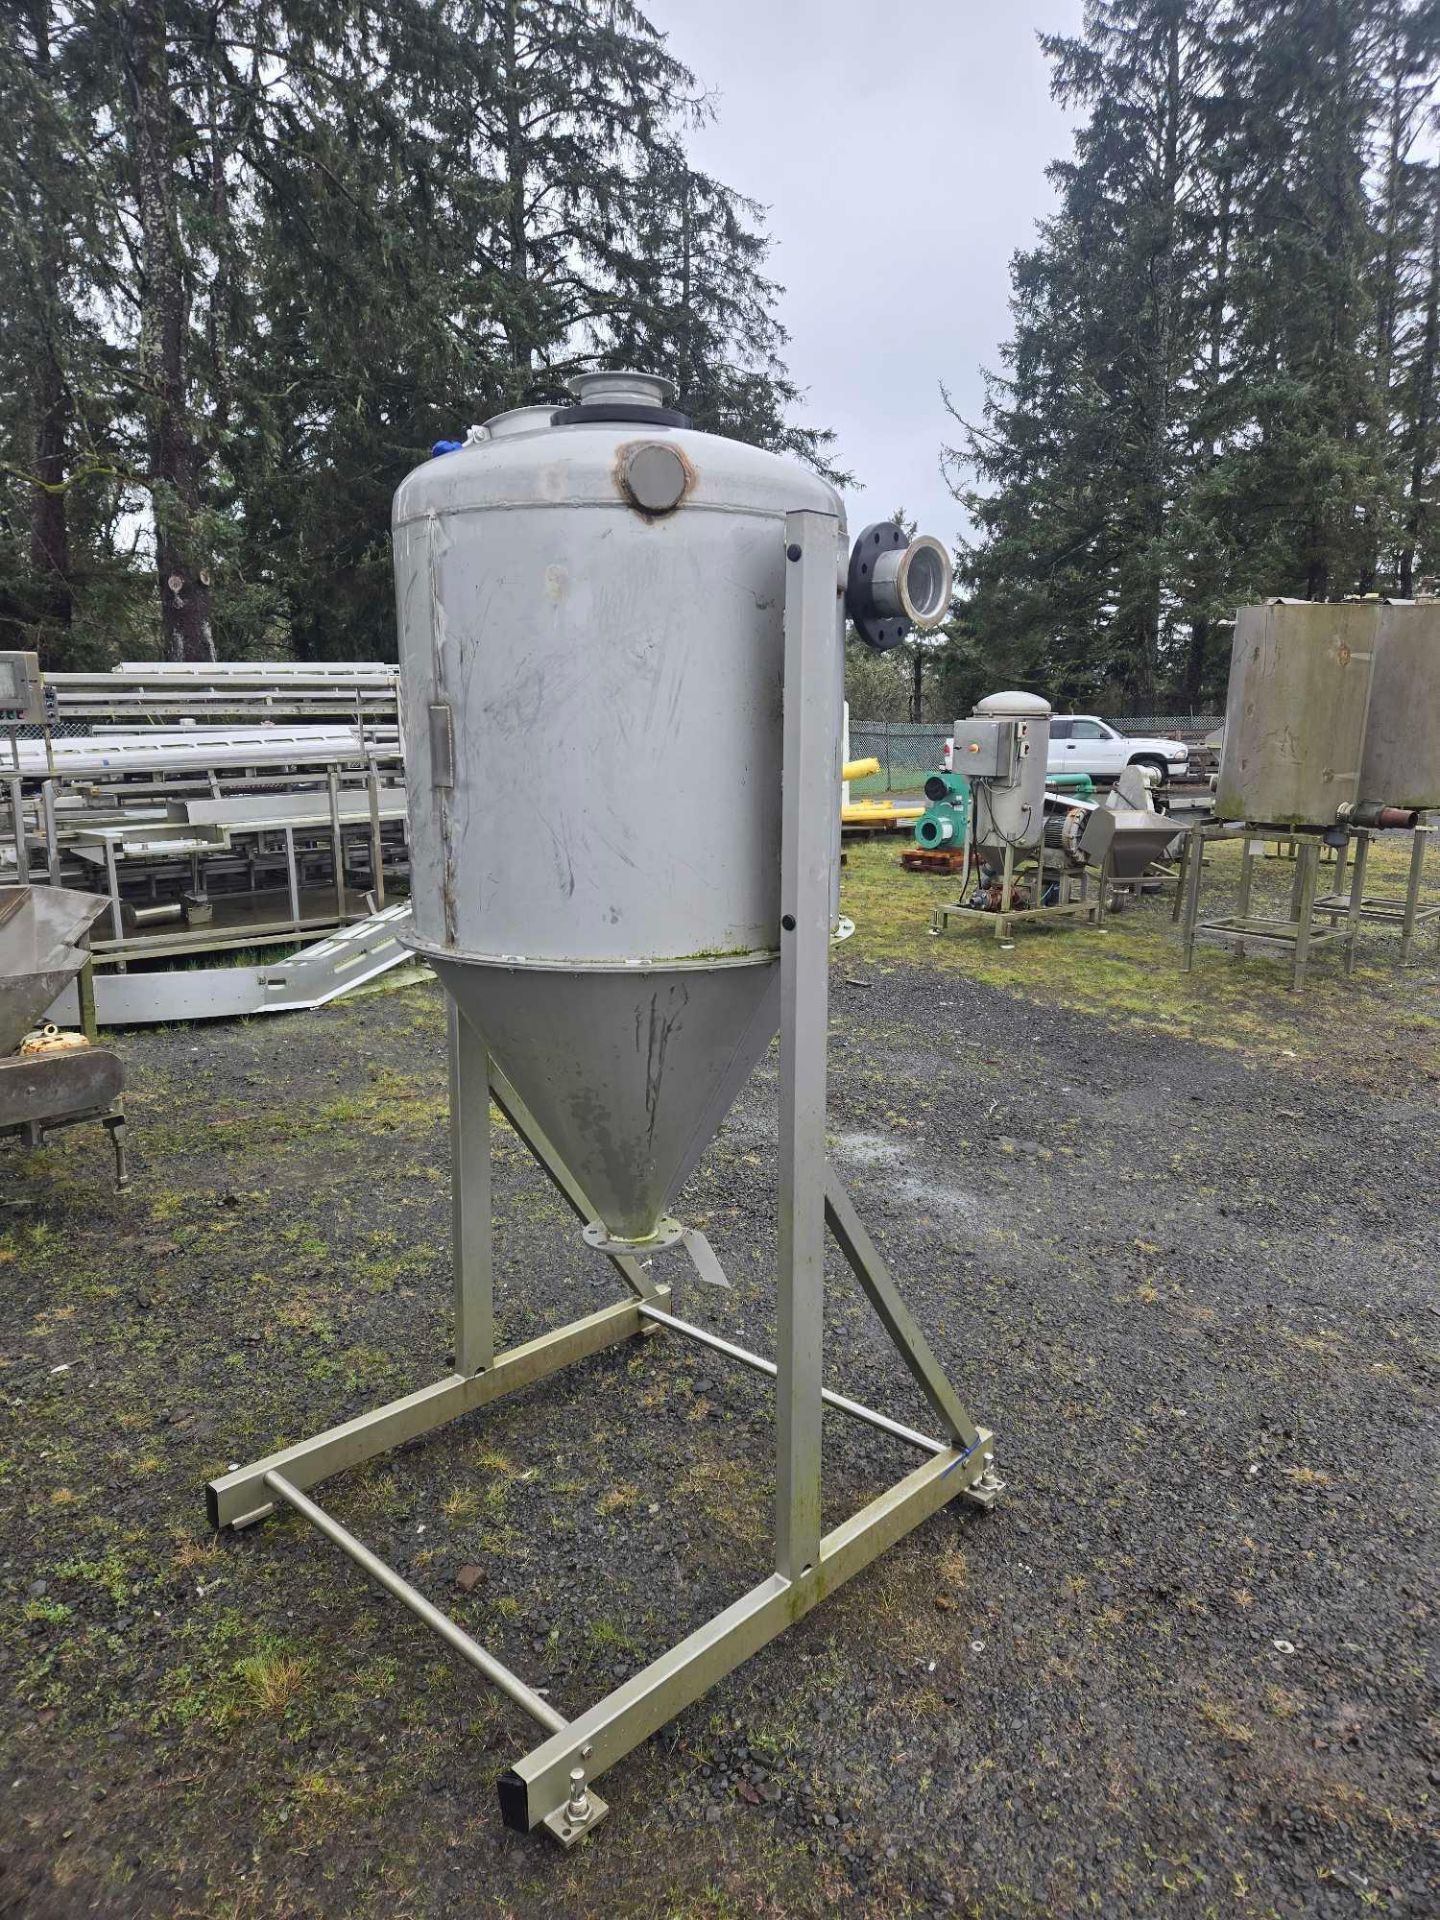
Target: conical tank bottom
{"x": 629, "y": 1071}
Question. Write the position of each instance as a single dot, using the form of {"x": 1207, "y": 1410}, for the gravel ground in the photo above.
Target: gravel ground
{"x": 1182, "y": 1668}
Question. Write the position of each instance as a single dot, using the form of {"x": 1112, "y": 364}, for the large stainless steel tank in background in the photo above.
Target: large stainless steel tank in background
{"x": 591, "y": 644}
{"x": 1295, "y": 715}
{"x": 1401, "y": 767}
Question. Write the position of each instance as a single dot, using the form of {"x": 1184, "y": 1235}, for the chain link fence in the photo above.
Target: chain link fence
{"x": 907, "y": 752}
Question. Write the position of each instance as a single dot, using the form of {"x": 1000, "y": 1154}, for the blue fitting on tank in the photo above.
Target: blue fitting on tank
{"x": 445, "y": 446}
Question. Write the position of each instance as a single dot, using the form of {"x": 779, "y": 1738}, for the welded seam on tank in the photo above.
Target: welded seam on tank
{"x": 599, "y": 504}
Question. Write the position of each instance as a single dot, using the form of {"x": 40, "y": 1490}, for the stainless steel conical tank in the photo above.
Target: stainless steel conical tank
{"x": 591, "y": 643}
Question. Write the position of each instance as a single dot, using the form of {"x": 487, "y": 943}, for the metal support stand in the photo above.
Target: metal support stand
{"x": 1074, "y": 902}
{"x": 553, "y": 1784}
{"x": 1393, "y": 910}
{"x": 1304, "y": 929}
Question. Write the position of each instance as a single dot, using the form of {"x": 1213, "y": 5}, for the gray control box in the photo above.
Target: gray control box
{"x": 22, "y": 694}
{"x": 985, "y": 750}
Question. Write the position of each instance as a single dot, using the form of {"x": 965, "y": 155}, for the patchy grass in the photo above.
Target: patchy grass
{"x": 1130, "y": 970}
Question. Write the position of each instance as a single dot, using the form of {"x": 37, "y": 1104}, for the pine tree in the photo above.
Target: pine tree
{"x": 1080, "y": 453}
{"x": 309, "y": 239}
{"x": 1221, "y": 382}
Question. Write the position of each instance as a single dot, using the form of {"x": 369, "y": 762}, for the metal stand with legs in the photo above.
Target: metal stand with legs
{"x": 553, "y": 1784}
{"x": 1303, "y": 930}
{"x": 1404, "y": 911}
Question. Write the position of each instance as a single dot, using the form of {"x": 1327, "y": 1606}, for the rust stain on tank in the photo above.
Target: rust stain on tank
{"x": 618, "y": 473}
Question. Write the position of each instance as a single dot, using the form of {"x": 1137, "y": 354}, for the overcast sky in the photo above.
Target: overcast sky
{"x": 901, "y": 152}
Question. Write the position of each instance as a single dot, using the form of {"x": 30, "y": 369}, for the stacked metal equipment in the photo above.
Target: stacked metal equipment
{"x": 589, "y": 610}
{"x": 50, "y": 1080}
{"x": 1297, "y": 712}
{"x": 223, "y": 808}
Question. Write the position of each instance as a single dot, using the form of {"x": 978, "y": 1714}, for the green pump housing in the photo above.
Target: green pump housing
{"x": 943, "y": 825}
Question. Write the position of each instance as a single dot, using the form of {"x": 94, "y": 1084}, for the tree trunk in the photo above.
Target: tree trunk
{"x": 1422, "y": 413}
{"x": 1163, "y": 269}
{"x": 181, "y": 564}
{"x": 49, "y": 513}
{"x": 49, "y": 519}
{"x": 519, "y": 328}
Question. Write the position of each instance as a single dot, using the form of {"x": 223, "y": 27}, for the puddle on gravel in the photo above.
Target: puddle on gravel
{"x": 935, "y": 1197}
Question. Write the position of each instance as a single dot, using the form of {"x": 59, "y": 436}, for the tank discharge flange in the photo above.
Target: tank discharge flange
{"x": 590, "y": 610}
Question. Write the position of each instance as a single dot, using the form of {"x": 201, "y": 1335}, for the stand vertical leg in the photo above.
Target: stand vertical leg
{"x": 292, "y": 874}
{"x": 1194, "y": 867}
{"x": 337, "y": 842}
{"x": 1177, "y": 905}
{"x": 470, "y": 1198}
{"x": 1412, "y": 893}
{"x": 1007, "y": 890}
{"x": 1247, "y": 878}
{"x": 52, "y": 837}
{"x": 377, "y": 849}
{"x": 1307, "y": 873}
{"x": 813, "y": 652}
{"x": 1342, "y": 863}
{"x": 85, "y": 997}
{"x": 1357, "y": 897}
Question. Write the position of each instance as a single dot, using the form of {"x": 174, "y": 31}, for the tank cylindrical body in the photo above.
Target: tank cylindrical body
{"x": 1014, "y": 811}
{"x": 1401, "y": 767}
{"x": 600, "y": 666}
{"x": 592, "y": 649}
{"x": 1295, "y": 715}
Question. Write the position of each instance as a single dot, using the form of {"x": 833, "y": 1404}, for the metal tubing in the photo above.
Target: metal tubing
{"x": 1307, "y": 874}
{"x": 1412, "y": 893}
{"x": 377, "y": 850}
{"x": 292, "y": 874}
{"x": 630, "y": 1270}
{"x": 814, "y": 650}
{"x": 17, "y": 819}
{"x": 759, "y": 1364}
{"x": 117, "y": 924}
{"x": 337, "y": 837}
{"x": 1357, "y": 899}
{"x": 494, "y": 1671}
{"x": 52, "y": 836}
{"x": 472, "y": 1230}
{"x": 1194, "y": 868}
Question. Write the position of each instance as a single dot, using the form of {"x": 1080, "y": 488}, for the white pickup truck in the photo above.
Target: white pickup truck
{"x": 1079, "y": 743}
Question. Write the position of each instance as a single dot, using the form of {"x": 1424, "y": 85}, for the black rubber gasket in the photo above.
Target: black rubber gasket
{"x": 619, "y": 412}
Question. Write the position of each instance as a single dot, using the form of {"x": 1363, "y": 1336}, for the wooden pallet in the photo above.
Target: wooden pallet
{"x": 932, "y": 860}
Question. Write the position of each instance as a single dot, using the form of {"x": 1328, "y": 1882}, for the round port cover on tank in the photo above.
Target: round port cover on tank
{"x": 655, "y": 477}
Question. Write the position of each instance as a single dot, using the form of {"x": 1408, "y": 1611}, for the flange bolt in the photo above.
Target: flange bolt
{"x": 577, "y": 1807}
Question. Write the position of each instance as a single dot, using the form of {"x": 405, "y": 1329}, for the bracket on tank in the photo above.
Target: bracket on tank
{"x": 553, "y": 1784}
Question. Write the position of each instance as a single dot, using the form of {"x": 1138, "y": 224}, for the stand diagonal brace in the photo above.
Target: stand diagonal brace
{"x": 535, "y": 1138}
